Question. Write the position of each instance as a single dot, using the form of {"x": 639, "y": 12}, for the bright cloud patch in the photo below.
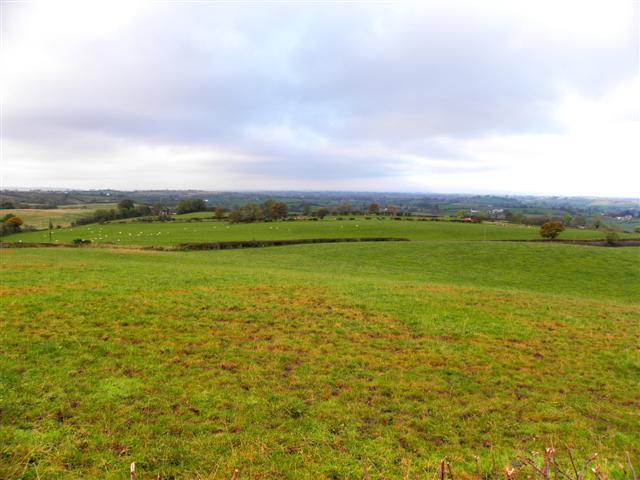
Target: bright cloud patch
{"x": 453, "y": 96}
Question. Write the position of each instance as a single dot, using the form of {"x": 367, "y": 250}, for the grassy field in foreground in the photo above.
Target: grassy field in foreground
{"x": 312, "y": 361}
{"x": 63, "y": 216}
{"x": 171, "y": 233}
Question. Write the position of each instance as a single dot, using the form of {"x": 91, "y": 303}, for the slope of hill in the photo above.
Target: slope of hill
{"x": 310, "y": 361}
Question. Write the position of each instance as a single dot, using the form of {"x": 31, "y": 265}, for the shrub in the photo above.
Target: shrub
{"x": 321, "y": 213}
{"x": 612, "y": 239}
{"x": 219, "y": 213}
{"x": 10, "y": 224}
{"x": 80, "y": 241}
{"x": 551, "y": 230}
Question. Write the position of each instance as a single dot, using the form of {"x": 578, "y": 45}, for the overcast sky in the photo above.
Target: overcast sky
{"x": 437, "y": 96}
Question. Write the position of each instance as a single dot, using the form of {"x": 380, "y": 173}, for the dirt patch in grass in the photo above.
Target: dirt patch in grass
{"x": 31, "y": 290}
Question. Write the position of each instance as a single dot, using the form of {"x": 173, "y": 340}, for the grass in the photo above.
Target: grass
{"x": 170, "y": 233}
{"x": 310, "y": 361}
{"x": 89, "y": 206}
{"x": 63, "y": 215}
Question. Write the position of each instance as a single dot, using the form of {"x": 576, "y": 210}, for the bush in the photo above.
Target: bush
{"x": 321, "y": 213}
{"x": 80, "y": 241}
{"x": 10, "y": 224}
{"x": 551, "y": 230}
{"x": 612, "y": 239}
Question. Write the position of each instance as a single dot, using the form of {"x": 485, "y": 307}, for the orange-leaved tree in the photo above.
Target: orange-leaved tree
{"x": 551, "y": 230}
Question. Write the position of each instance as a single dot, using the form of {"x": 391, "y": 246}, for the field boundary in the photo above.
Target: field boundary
{"x": 36, "y": 245}
{"x": 622, "y": 242}
{"x": 198, "y": 246}
{"x": 274, "y": 243}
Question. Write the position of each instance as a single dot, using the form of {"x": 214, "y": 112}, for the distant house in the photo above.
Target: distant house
{"x": 468, "y": 219}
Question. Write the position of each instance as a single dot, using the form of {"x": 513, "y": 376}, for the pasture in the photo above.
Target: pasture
{"x": 312, "y": 361}
{"x": 64, "y": 215}
{"x": 170, "y": 233}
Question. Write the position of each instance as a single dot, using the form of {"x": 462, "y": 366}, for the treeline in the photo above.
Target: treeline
{"x": 125, "y": 209}
{"x": 272, "y": 210}
{"x": 253, "y": 212}
{"x": 567, "y": 220}
{"x": 188, "y": 205}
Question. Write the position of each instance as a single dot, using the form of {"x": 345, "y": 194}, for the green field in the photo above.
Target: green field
{"x": 170, "y": 233}
{"x": 312, "y": 361}
{"x": 63, "y": 215}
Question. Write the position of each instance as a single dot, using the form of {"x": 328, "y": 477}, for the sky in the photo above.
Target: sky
{"x": 526, "y": 97}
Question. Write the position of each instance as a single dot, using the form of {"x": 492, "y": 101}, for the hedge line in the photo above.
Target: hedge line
{"x": 277, "y": 243}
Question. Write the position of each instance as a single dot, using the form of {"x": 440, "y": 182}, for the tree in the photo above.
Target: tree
{"x": 374, "y": 209}
{"x": 186, "y": 205}
{"x": 159, "y": 209}
{"x": 235, "y": 216}
{"x": 343, "y": 209}
{"x": 567, "y": 219}
{"x": 278, "y": 210}
{"x": 219, "y": 213}
{"x": 11, "y": 224}
{"x": 7, "y": 205}
{"x": 252, "y": 212}
{"x": 247, "y": 213}
{"x": 551, "y": 230}
{"x": 16, "y": 222}
{"x": 125, "y": 204}
{"x": 321, "y": 213}
{"x": 306, "y": 209}
{"x": 514, "y": 217}
{"x": 579, "y": 220}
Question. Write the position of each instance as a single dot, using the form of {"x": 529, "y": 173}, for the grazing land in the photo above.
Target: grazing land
{"x": 64, "y": 215}
{"x": 311, "y": 361}
{"x": 170, "y": 233}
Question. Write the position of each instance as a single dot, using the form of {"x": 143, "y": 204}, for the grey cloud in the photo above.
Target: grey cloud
{"x": 413, "y": 82}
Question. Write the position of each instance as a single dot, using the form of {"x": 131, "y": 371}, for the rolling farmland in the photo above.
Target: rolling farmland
{"x": 309, "y": 361}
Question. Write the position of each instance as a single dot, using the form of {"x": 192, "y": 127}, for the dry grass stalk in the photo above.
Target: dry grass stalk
{"x": 549, "y": 470}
